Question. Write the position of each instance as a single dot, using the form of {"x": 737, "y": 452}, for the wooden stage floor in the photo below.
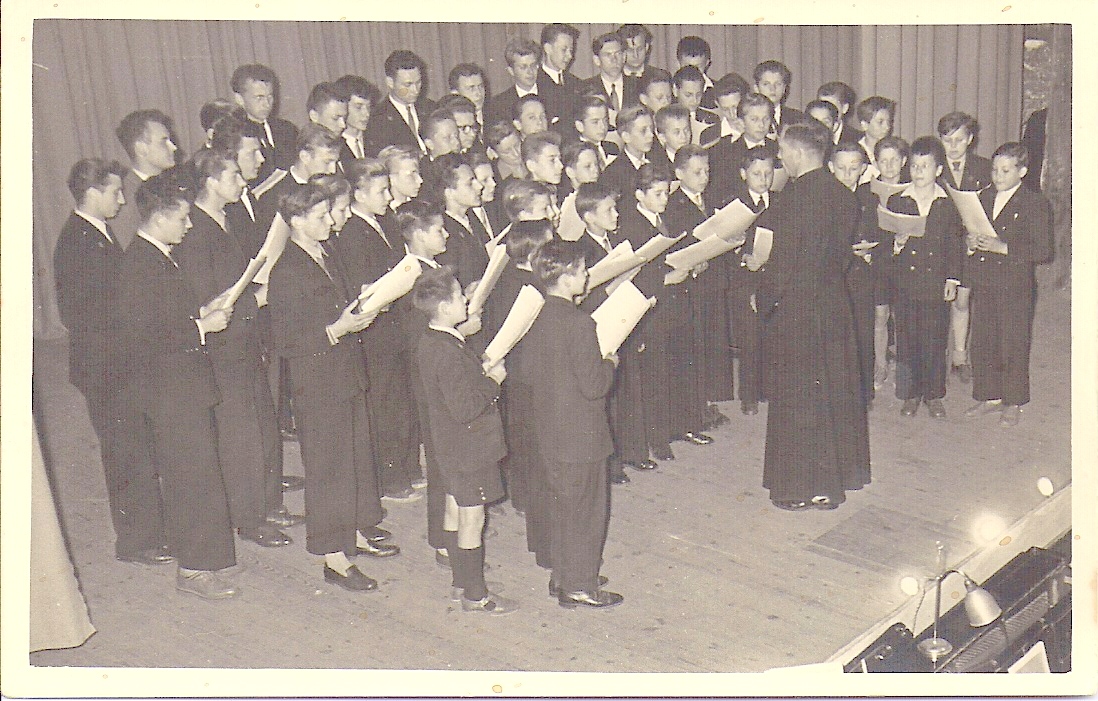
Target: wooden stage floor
{"x": 715, "y": 578}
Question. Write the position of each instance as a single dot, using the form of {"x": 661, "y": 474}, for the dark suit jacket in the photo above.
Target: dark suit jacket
{"x": 266, "y": 206}
{"x": 595, "y": 86}
{"x": 465, "y": 252}
{"x": 621, "y": 176}
{"x": 465, "y": 431}
{"x": 497, "y": 108}
{"x": 282, "y": 153}
{"x": 85, "y": 265}
{"x": 1025, "y": 224}
{"x": 303, "y": 301}
{"x": 247, "y": 230}
{"x": 364, "y": 256}
{"x": 926, "y": 262}
{"x": 725, "y": 161}
{"x": 560, "y": 100}
{"x": 976, "y": 176}
{"x": 669, "y": 309}
{"x": 565, "y": 370}
{"x": 154, "y": 313}
{"x": 388, "y": 128}
{"x": 212, "y": 259}
{"x": 789, "y": 116}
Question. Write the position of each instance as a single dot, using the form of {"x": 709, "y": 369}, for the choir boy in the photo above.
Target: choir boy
{"x": 255, "y": 88}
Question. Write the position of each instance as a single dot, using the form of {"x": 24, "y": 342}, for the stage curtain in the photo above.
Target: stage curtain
{"x": 88, "y": 74}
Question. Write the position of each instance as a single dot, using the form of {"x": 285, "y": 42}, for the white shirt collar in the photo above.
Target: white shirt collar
{"x": 1001, "y": 198}
{"x": 636, "y": 164}
{"x": 557, "y": 76}
{"x": 650, "y": 216}
{"x": 160, "y": 246}
{"x": 312, "y": 248}
{"x": 939, "y": 193}
{"x": 426, "y": 261}
{"x": 97, "y": 223}
{"x": 448, "y": 329}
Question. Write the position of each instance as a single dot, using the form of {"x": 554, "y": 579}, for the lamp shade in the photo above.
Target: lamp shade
{"x": 980, "y": 606}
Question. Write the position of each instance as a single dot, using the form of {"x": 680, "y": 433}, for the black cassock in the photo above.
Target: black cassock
{"x": 817, "y": 441}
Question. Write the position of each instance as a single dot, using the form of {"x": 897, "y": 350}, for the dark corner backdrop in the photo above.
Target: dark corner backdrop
{"x": 88, "y": 74}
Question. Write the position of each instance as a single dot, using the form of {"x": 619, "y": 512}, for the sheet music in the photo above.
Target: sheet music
{"x": 733, "y": 218}
{"x": 906, "y": 225}
{"x": 523, "y": 312}
{"x": 616, "y": 317}
{"x": 571, "y": 226}
{"x": 972, "y": 212}
{"x": 391, "y": 286}
{"x": 497, "y": 262}
{"x": 885, "y": 190}
{"x": 697, "y": 253}
{"x": 618, "y": 261}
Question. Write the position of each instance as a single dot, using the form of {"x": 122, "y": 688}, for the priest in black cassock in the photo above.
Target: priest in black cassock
{"x": 817, "y": 443}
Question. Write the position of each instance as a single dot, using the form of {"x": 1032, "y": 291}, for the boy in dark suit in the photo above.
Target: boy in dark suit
{"x": 637, "y": 40}
{"x": 85, "y": 264}
{"x": 396, "y": 120}
{"x": 654, "y": 92}
{"x": 361, "y": 97}
{"x": 469, "y": 81}
{"x": 928, "y": 270}
{"x": 964, "y": 170}
{"x": 1003, "y": 285}
{"x": 459, "y": 396}
{"x": 772, "y": 79}
{"x": 726, "y": 157}
{"x": 522, "y": 57}
{"x": 876, "y": 115}
{"x": 637, "y": 132}
{"x": 566, "y": 370}
{"x": 317, "y": 153}
{"x": 844, "y": 98}
{"x": 315, "y": 325}
{"x": 451, "y": 180}
{"x": 146, "y": 135}
{"x": 592, "y": 125}
{"x": 727, "y": 92}
{"x": 169, "y": 390}
{"x": 255, "y": 88}
{"x": 695, "y": 51}
{"x": 688, "y": 84}
{"x": 673, "y": 131}
{"x": 541, "y": 156}
{"x": 610, "y": 83}
{"x": 327, "y": 106}
{"x": 557, "y": 85}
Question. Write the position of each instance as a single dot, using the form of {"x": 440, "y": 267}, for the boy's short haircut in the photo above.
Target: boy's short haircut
{"x": 161, "y": 193}
{"x": 495, "y": 134}
{"x": 91, "y": 173}
{"x": 847, "y": 146}
{"x": 360, "y": 171}
{"x": 602, "y": 40}
{"x": 756, "y": 153}
{"x": 300, "y": 200}
{"x": 349, "y": 86}
{"x": 869, "y": 107}
{"x": 550, "y": 32}
{"x": 403, "y": 60}
{"x": 441, "y": 174}
{"x": 772, "y": 66}
{"x": 649, "y": 79}
{"x": 431, "y": 123}
{"x": 333, "y": 185}
{"x": 520, "y": 104}
{"x": 527, "y": 236}
{"x": 1013, "y": 149}
{"x": 414, "y": 216}
{"x": 394, "y": 154}
{"x": 476, "y": 158}
{"x": 754, "y": 99}
{"x": 133, "y": 126}
{"x": 465, "y": 70}
{"x": 569, "y": 155}
{"x": 688, "y": 73}
{"x": 823, "y": 105}
{"x": 216, "y": 110}
{"x": 535, "y": 144}
{"x": 955, "y": 120}
{"x": 666, "y": 114}
{"x": 651, "y": 174}
{"x": 456, "y": 104}
{"x": 210, "y": 163}
{"x": 684, "y": 154}
{"x": 929, "y": 146}
{"x": 893, "y": 142}
{"x": 229, "y": 133}
{"x": 839, "y": 90}
{"x": 730, "y": 84}
{"x": 252, "y": 72}
{"x": 628, "y": 116}
{"x": 321, "y": 95}
{"x": 588, "y": 101}
{"x": 812, "y": 137}
{"x": 693, "y": 46}
{"x": 521, "y": 46}
{"x": 590, "y": 195}
{"x": 518, "y": 195}
{"x": 433, "y": 287}
{"x": 555, "y": 260}
{"x": 314, "y": 137}
{"x": 633, "y": 31}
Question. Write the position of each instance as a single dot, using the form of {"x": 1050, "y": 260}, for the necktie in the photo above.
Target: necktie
{"x": 270, "y": 136}
{"x": 601, "y": 153}
{"x": 412, "y": 121}
{"x": 614, "y": 105}
{"x": 659, "y": 225}
{"x": 356, "y": 147}
{"x": 247, "y": 201}
{"x": 483, "y": 217}
{"x": 697, "y": 200}
{"x": 110, "y": 234}
{"x": 606, "y": 242}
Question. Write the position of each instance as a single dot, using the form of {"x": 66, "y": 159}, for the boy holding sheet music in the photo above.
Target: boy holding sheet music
{"x": 1003, "y": 285}
{"x": 928, "y": 270}
{"x": 571, "y": 378}
{"x": 458, "y": 395}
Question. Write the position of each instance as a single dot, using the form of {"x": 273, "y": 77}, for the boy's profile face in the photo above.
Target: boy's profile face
{"x": 756, "y": 121}
{"x": 604, "y": 217}
{"x": 848, "y": 168}
{"x": 956, "y": 143}
{"x": 759, "y": 175}
{"x": 229, "y": 185}
{"x": 375, "y": 197}
{"x": 444, "y": 139}
{"x": 539, "y": 208}
{"x": 107, "y": 199}
{"x": 694, "y": 176}
{"x": 559, "y": 52}
{"x": 1005, "y": 172}
{"x": 249, "y": 157}
{"x": 586, "y": 168}
{"x": 833, "y": 99}
{"x": 319, "y": 160}
{"x": 358, "y": 112}
{"x": 675, "y": 133}
{"x": 595, "y": 124}
{"x": 315, "y": 223}
{"x": 432, "y": 240}
{"x": 340, "y": 211}
{"x": 891, "y": 164}
{"x": 654, "y": 199}
{"x": 257, "y": 99}
{"x": 689, "y": 95}
{"x": 532, "y": 119}
{"x": 546, "y": 166}
{"x": 509, "y": 150}
{"x": 924, "y": 169}
{"x": 332, "y": 116}
{"x": 880, "y": 126}
{"x": 639, "y": 136}
{"x": 524, "y": 71}
{"x": 156, "y": 146}
{"x": 772, "y": 85}
{"x": 466, "y": 190}
{"x": 404, "y": 179}
{"x": 823, "y": 116}
{"x": 487, "y": 179}
{"x": 657, "y": 96}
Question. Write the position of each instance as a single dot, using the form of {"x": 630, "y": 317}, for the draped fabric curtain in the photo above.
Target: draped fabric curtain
{"x": 88, "y": 74}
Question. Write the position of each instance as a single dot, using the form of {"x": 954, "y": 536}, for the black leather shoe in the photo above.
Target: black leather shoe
{"x": 148, "y": 556}
{"x": 378, "y": 549}
{"x": 284, "y": 519}
{"x": 910, "y": 407}
{"x": 619, "y": 477}
{"x": 663, "y": 452}
{"x": 354, "y": 580}
{"x": 266, "y": 535}
{"x": 554, "y": 590}
{"x": 377, "y": 535}
{"x": 749, "y": 408}
{"x": 442, "y": 559}
{"x": 292, "y": 483}
{"x": 790, "y": 505}
{"x": 696, "y": 438}
{"x": 599, "y": 600}
{"x": 824, "y": 503}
